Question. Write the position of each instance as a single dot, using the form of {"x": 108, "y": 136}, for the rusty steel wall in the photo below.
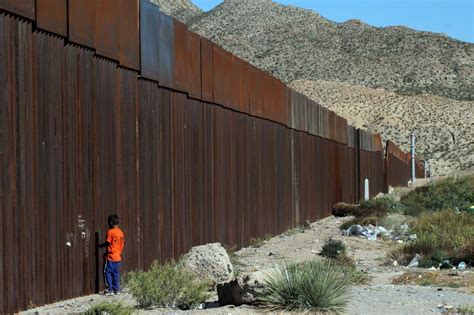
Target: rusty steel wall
{"x": 397, "y": 167}
{"x": 51, "y": 15}
{"x": 209, "y": 150}
{"x": 136, "y": 35}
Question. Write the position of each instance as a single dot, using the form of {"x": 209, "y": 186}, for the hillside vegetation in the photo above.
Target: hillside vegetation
{"x": 388, "y": 80}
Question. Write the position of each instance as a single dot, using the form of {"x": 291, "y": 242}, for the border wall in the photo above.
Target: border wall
{"x": 113, "y": 107}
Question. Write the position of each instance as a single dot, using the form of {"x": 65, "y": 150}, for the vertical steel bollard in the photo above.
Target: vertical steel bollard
{"x": 366, "y": 189}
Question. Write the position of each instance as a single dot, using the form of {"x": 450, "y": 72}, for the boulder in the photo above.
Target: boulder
{"x": 242, "y": 290}
{"x": 210, "y": 262}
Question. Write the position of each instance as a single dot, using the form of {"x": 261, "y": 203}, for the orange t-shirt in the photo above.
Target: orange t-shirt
{"x": 116, "y": 241}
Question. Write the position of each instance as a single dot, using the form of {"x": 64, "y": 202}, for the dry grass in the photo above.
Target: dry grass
{"x": 438, "y": 278}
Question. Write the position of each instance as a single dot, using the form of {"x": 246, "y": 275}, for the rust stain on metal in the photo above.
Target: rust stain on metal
{"x": 180, "y": 51}
{"x": 129, "y": 34}
{"x": 207, "y": 74}
{"x": 194, "y": 68}
{"x": 24, "y": 8}
{"x": 82, "y": 22}
{"x": 212, "y": 144}
{"x": 51, "y": 15}
{"x": 107, "y": 29}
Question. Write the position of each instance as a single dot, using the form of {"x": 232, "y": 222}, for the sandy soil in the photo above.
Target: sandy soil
{"x": 380, "y": 295}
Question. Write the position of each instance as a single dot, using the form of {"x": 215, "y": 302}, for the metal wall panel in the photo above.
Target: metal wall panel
{"x": 313, "y": 118}
{"x": 244, "y": 91}
{"x": 24, "y": 8}
{"x": 391, "y": 148}
{"x": 236, "y": 77}
{"x": 85, "y": 138}
{"x": 323, "y": 123}
{"x": 350, "y": 136}
{"x": 82, "y": 20}
{"x": 107, "y": 29}
{"x": 194, "y": 66}
{"x": 51, "y": 15}
{"x": 129, "y": 34}
{"x": 377, "y": 142}
{"x": 166, "y": 53}
{"x": 397, "y": 172}
{"x": 223, "y": 71}
{"x": 256, "y": 96}
{"x": 275, "y": 106}
{"x": 181, "y": 63}
{"x": 207, "y": 74}
{"x": 150, "y": 28}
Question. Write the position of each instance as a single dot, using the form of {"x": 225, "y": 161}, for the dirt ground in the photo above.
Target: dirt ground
{"x": 380, "y": 295}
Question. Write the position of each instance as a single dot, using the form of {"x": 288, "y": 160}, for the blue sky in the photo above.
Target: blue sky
{"x": 452, "y": 17}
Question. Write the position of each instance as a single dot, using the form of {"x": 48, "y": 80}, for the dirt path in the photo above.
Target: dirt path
{"x": 380, "y": 296}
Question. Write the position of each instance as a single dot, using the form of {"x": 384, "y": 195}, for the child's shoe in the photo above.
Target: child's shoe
{"x": 117, "y": 293}
{"x": 108, "y": 293}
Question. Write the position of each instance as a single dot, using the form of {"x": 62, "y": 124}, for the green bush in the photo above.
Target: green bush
{"x": 451, "y": 193}
{"x": 379, "y": 207}
{"x": 169, "y": 285}
{"x": 258, "y": 242}
{"x": 333, "y": 249}
{"x": 373, "y": 211}
{"x": 441, "y": 235}
{"x": 313, "y": 285}
{"x": 465, "y": 309}
{"x": 112, "y": 308}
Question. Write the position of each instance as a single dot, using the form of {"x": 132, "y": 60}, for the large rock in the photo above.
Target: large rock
{"x": 210, "y": 262}
{"x": 242, "y": 290}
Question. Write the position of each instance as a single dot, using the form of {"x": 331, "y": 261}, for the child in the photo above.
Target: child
{"x": 114, "y": 242}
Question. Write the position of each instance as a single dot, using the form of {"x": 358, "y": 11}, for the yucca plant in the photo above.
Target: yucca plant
{"x": 312, "y": 285}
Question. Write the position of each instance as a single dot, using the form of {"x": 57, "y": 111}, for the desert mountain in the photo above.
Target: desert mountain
{"x": 294, "y": 44}
{"x": 389, "y": 80}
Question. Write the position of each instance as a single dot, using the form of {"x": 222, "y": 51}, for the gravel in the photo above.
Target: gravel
{"x": 398, "y": 299}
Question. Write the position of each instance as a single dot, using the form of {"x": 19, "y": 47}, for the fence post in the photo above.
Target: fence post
{"x": 366, "y": 189}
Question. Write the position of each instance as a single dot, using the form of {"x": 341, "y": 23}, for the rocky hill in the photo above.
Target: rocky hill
{"x": 183, "y": 10}
{"x": 388, "y": 80}
{"x": 444, "y": 127}
{"x": 293, "y": 43}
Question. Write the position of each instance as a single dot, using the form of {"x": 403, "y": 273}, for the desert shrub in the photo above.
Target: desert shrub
{"x": 379, "y": 207}
{"x": 342, "y": 209}
{"x": 234, "y": 259}
{"x": 397, "y": 223}
{"x": 112, "y": 308}
{"x": 441, "y": 235}
{"x": 312, "y": 285}
{"x": 465, "y": 309}
{"x": 258, "y": 242}
{"x": 452, "y": 193}
{"x": 169, "y": 285}
{"x": 349, "y": 269}
{"x": 333, "y": 249}
{"x": 372, "y": 211}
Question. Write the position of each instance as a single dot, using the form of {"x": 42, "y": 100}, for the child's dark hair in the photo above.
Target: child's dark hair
{"x": 113, "y": 219}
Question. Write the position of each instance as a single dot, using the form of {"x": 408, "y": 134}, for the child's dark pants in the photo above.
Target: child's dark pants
{"x": 112, "y": 275}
